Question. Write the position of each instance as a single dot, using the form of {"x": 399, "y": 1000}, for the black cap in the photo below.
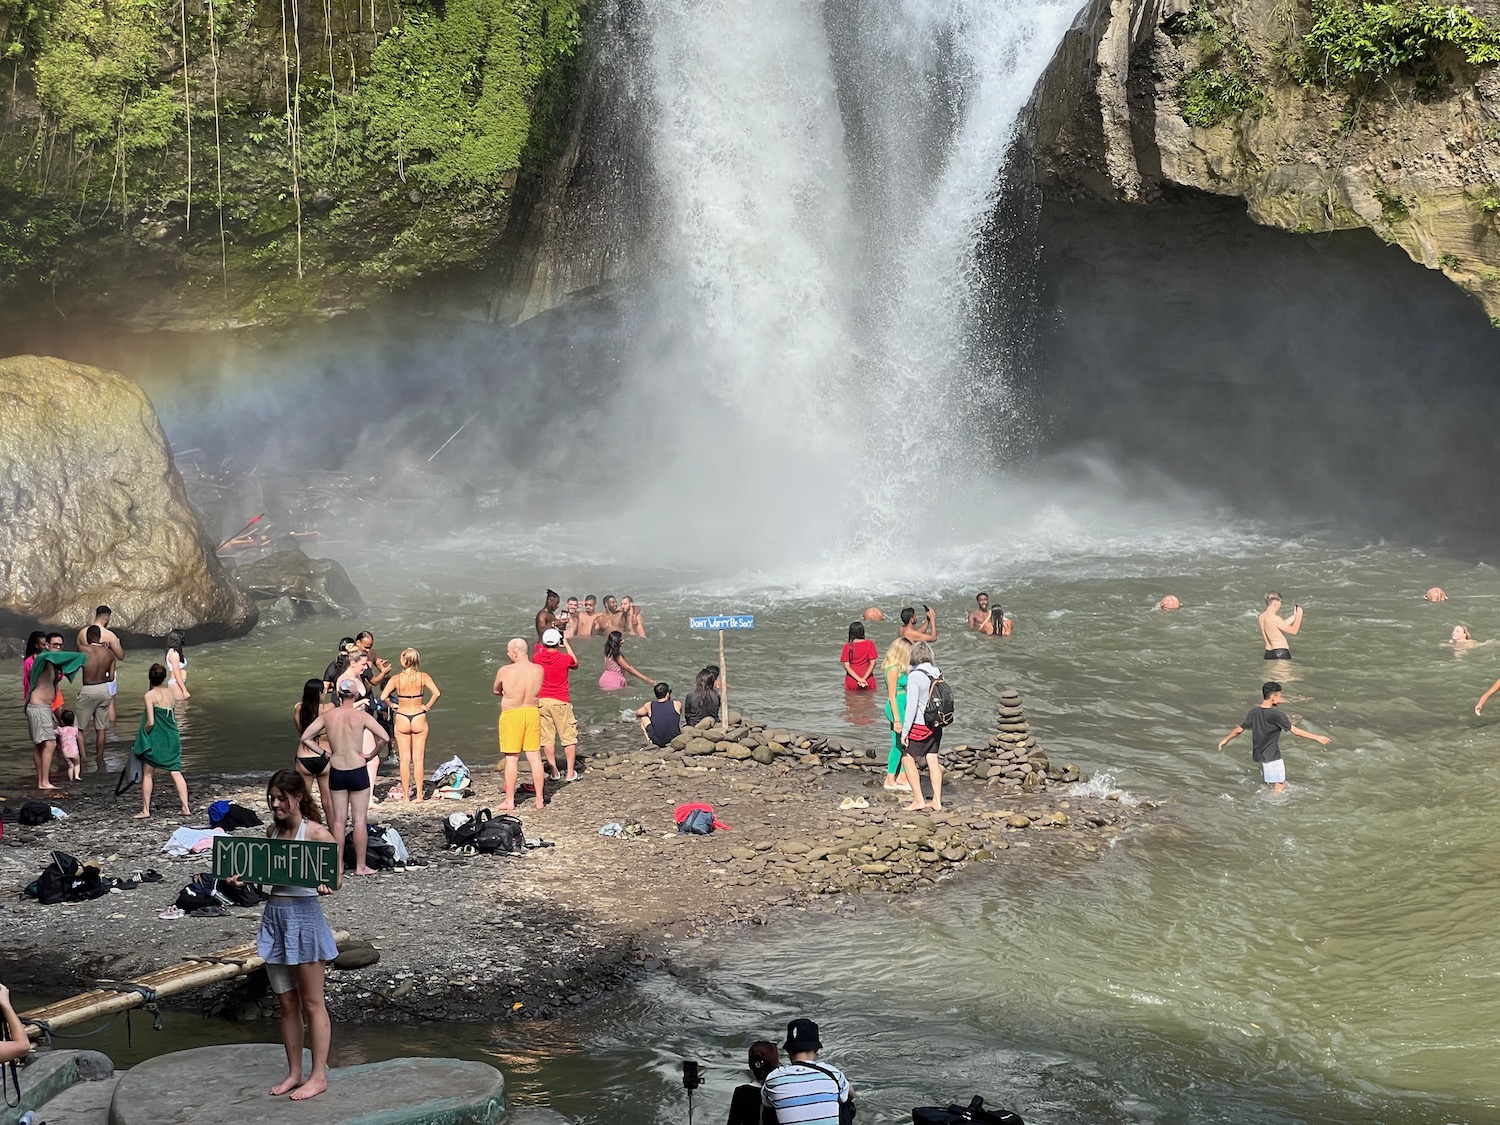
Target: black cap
{"x": 802, "y": 1035}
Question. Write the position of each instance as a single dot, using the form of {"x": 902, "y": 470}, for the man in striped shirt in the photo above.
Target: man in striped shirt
{"x": 804, "y": 1091}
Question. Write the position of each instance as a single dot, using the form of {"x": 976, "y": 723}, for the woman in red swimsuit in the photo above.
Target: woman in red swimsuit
{"x": 858, "y": 657}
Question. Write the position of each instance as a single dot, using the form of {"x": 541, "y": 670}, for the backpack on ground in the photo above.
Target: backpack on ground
{"x": 939, "y": 710}
{"x": 34, "y": 813}
{"x": 379, "y": 855}
{"x": 240, "y": 894}
{"x": 501, "y": 834}
{"x": 64, "y": 879}
{"x": 699, "y": 822}
{"x": 461, "y": 829}
{"x": 230, "y": 816}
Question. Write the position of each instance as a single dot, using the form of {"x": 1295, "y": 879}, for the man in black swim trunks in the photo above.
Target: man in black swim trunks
{"x": 1274, "y": 630}
{"x": 348, "y": 765}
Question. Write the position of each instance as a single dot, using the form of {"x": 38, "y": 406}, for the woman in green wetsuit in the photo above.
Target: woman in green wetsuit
{"x": 897, "y": 662}
{"x": 158, "y": 743}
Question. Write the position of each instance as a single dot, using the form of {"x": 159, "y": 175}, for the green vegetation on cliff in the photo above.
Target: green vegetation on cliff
{"x": 277, "y": 157}
{"x": 1362, "y": 44}
{"x": 1223, "y": 85}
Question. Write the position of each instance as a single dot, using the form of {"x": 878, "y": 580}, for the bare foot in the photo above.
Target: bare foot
{"x": 309, "y": 1089}
{"x": 291, "y": 1081}
{"x": 361, "y": 871}
{"x": 913, "y": 808}
{"x": 142, "y": 816}
{"x": 541, "y": 804}
{"x": 49, "y": 785}
{"x": 935, "y": 808}
{"x": 187, "y": 812}
{"x": 509, "y": 806}
{"x": 419, "y": 799}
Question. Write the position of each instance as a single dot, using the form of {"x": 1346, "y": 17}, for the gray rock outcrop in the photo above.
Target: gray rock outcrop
{"x": 291, "y": 585}
{"x": 93, "y": 511}
{"x": 1229, "y": 97}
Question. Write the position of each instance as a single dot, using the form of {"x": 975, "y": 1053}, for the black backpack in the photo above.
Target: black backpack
{"x": 972, "y": 1114}
{"x": 379, "y": 855}
{"x": 939, "y": 710}
{"x": 66, "y": 880}
{"x": 34, "y": 813}
{"x": 461, "y": 831}
{"x": 501, "y": 834}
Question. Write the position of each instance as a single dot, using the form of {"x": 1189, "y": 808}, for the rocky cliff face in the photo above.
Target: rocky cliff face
{"x": 93, "y": 511}
{"x": 1321, "y": 116}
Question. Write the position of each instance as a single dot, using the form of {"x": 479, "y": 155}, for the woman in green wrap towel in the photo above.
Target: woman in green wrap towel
{"x": 896, "y": 663}
{"x": 157, "y": 743}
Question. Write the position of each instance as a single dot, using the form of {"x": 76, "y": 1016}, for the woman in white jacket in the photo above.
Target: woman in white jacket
{"x": 920, "y": 743}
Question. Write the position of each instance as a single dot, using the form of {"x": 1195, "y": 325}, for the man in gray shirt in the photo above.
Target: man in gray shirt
{"x": 1265, "y": 724}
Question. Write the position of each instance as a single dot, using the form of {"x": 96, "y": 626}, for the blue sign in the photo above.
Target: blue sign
{"x": 723, "y": 621}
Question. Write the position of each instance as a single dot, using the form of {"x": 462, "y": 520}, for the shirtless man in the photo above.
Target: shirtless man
{"x": 569, "y": 617}
{"x": 612, "y": 619}
{"x": 587, "y": 617}
{"x": 635, "y": 624}
{"x": 916, "y": 634}
{"x": 546, "y": 617}
{"x": 1169, "y": 603}
{"x": 986, "y": 620}
{"x": 96, "y": 696}
{"x": 1274, "y": 630}
{"x": 348, "y": 764}
{"x": 41, "y": 723}
{"x": 1436, "y": 594}
{"x": 518, "y": 684}
{"x": 107, "y": 637}
{"x": 873, "y": 613}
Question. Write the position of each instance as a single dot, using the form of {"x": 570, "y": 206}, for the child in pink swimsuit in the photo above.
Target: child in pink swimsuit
{"x": 67, "y": 742}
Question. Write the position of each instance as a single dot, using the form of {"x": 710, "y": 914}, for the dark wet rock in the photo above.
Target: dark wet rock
{"x": 93, "y": 511}
{"x": 313, "y": 587}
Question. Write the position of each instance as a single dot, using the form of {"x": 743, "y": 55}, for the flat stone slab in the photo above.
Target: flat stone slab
{"x": 217, "y": 1085}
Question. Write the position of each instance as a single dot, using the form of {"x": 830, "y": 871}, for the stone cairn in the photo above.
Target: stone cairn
{"x": 1013, "y": 757}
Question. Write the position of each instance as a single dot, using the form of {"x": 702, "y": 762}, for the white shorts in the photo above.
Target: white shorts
{"x": 1274, "y": 772}
{"x": 114, "y": 686}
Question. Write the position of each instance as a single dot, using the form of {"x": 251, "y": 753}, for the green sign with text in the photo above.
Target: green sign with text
{"x": 287, "y": 863}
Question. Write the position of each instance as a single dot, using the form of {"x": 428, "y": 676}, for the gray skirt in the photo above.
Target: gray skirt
{"x": 293, "y": 931}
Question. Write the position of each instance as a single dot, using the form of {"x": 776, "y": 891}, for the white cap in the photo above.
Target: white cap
{"x": 551, "y": 638}
{"x": 348, "y": 687}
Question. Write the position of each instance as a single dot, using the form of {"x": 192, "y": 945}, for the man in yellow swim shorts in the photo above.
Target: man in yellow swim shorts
{"x": 518, "y": 684}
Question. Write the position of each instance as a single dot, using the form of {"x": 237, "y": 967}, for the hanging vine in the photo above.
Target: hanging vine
{"x": 293, "y": 115}
{"x": 213, "y": 51}
{"x": 187, "y": 112}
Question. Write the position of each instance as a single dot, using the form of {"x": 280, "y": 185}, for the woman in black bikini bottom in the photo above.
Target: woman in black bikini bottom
{"x": 311, "y": 766}
{"x": 410, "y": 687}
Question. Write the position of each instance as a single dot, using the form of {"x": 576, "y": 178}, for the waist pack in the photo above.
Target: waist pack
{"x": 379, "y": 855}
{"x": 972, "y": 1114}
{"x": 939, "y": 710}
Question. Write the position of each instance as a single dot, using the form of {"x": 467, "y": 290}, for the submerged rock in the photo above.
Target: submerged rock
{"x": 309, "y": 586}
{"x": 93, "y": 510}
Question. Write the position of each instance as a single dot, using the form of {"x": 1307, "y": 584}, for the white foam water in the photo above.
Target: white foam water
{"x": 828, "y": 171}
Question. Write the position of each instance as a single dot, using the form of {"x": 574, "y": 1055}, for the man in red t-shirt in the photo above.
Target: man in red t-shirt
{"x": 556, "y": 658}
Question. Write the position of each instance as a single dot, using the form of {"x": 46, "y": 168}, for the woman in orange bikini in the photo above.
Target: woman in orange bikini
{"x": 410, "y": 686}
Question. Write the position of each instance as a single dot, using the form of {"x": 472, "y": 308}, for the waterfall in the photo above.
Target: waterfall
{"x": 827, "y": 171}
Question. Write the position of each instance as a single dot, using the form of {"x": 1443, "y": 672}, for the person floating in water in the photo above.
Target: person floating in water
{"x": 1265, "y": 724}
{"x": 1436, "y": 594}
{"x": 1169, "y": 603}
{"x": 1274, "y": 630}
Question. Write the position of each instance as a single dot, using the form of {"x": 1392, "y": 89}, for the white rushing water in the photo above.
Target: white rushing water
{"x": 828, "y": 171}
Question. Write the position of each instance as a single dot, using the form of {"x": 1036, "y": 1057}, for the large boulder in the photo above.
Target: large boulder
{"x": 93, "y": 511}
{"x": 305, "y": 586}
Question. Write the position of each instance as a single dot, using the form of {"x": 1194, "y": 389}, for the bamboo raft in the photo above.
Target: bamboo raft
{"x": 118, "y": 996}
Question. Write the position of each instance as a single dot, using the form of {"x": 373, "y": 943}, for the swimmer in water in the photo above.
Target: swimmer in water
{"x": 1436, "y": 594}
{"x": 874, "y": 613}
{"x": 1169, "y": 603}
{"x": 1460, "y": 637}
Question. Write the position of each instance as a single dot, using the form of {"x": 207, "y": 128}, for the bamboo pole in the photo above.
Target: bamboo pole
{"x": 194, "y": 972}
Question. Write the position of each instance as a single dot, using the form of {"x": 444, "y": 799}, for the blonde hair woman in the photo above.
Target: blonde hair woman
{"x": 410, "y": 687}
{"x": 896, "y": 664}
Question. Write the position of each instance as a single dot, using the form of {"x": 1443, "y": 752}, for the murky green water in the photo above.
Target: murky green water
{"x": 1325, "y": 957}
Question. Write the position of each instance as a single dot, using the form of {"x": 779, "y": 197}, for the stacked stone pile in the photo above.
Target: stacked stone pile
{"x": 1014, "y": 757}
{"x": 751, "y": 741}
